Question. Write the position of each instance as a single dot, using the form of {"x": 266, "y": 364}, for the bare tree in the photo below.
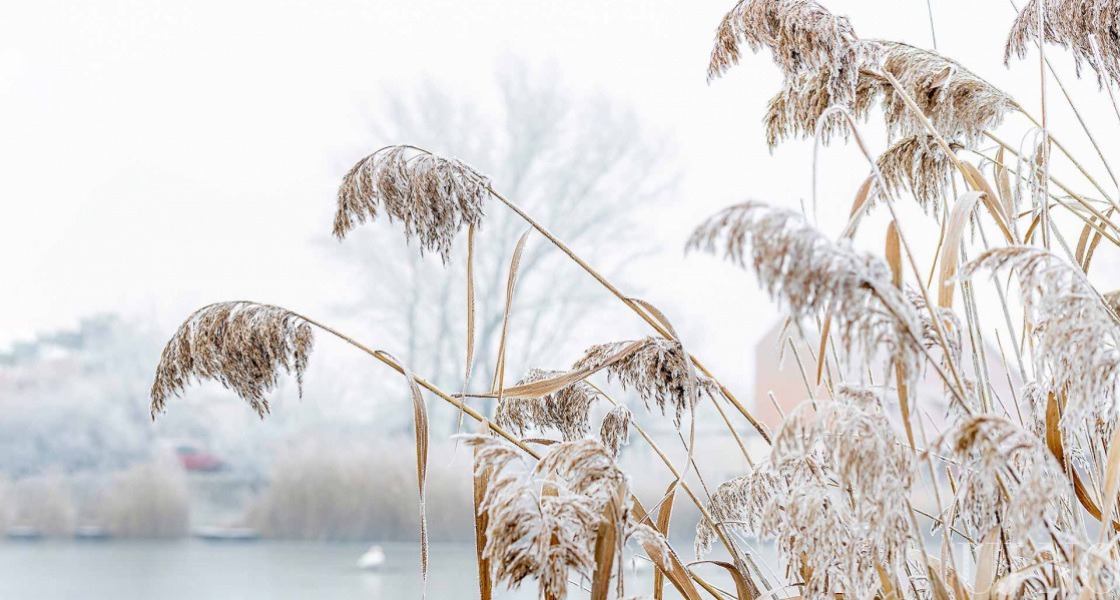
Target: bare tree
{"x": 580, "y": 163}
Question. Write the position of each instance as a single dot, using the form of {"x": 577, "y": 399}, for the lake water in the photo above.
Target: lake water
{"x": 201, "y": 570}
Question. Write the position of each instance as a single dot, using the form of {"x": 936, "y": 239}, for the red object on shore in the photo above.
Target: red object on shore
{"x": 194, "y": 459}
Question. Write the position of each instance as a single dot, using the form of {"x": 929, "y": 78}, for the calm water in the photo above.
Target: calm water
{"x": 194, "y": 570}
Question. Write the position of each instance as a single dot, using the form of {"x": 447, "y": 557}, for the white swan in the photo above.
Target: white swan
{"x": 373, "y": 559}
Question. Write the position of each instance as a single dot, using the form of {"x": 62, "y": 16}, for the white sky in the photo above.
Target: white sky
{"x": 155, "y": 156}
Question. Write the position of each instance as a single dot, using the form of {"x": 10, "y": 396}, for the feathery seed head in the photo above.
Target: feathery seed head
{"x": 585, "y": 467}
{"x": 615, "y": 430}
{"x": 1035, "y": 398}
{"x": 433, "y": 197}
{"x": 832, "y": 494}
{"x": 1076, "y": 339}
{"x": 658, "y": 371}
{"x": 520, "y": 414}
{"x": 810, "y": 274}
{"x": 542, "y": 519}
{"x": 741, "y": 500}
{"x": 959, "y": 104}
{"x": 797, "y": 109}
{"x": 1113, "y": 301}
{"x": 801, "y": 34}
{"x": 918, "y": 163}
{"x": 241, "y": 345}
{"x": 1088, "y": 28}
{"x": 567, "y": 410}
{"x": 950, "y": 325}
{"x": 1006, "y": 476}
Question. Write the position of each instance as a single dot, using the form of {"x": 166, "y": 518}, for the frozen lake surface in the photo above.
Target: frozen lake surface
{"x": 261, "y": 570}
{"x": 195, "y": 569}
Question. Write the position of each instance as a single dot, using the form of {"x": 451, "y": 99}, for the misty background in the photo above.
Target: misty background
{"x": 157, "y": 157}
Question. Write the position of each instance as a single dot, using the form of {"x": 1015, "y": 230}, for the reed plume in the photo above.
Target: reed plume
{"x": 242, "y": 345}
{"x": 959, "y": 104}
{"x": 796, "y": 111}
{"x": 567, "y": 410}
{"x": 811, "y": 275}
{"x": 542, "y": 519}
{"x": 1075, "y": 569}
{"x": 585, "y": 468}
{"x": 433, "y": 197}
{"x": 919, "y": 164}
{"x": 1087, "y": 28}
{"x": 1091, "y": 571}
{"x": 659, "y": 371}
{"x": 1035, "y": 398}
{"x": 739, "y": 502}
{"x": 1076, "y": 339}
{"x": 1113, "y": 301}
{"x": 614, "y": 432}
{"x": 802, "y": 35}
{"x": 1007, "y": 478}
{"x": 950, "y": 325}
{"x": 520, "y": 414}
{"x": 832, "y": 494}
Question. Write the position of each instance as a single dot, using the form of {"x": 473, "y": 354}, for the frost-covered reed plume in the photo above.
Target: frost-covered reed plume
{"x": 916, "y": 163}
{"x": 242, "y": 345}
{"x": 819, "y": 54}
{"x": 566, "y": 410}
{"x": 658, "y": 371}
{"x": 833, "y": 495}
{"x": 955, "y": 445}
{"x": 402, "y": 181}
{"x": 801, "y": 36}
{"x": 960, "y": 105}
{"x": 1076, "y": 336}
{"x": 811, "y": 275}
{"x": 544, "y": 518}
{"x": 1006, "y": 477}
{"x": 615, "y": 429}
{"x": 1085, "y": 27}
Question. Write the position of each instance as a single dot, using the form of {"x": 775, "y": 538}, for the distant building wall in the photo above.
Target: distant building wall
{"x": 779, "y": 375}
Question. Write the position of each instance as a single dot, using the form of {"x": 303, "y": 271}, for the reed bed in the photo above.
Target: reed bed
{"x": 147, "y": 501}
{"x": 332, "y": 489}
{"x": 867, "y": 489}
